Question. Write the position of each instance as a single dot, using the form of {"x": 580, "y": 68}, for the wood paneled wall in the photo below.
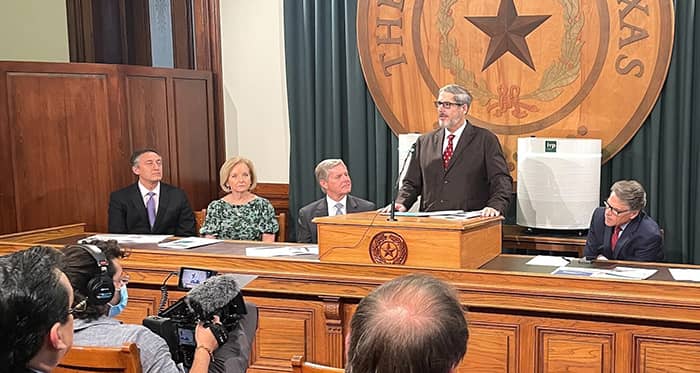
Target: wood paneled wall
{"x": 67, "y": 131}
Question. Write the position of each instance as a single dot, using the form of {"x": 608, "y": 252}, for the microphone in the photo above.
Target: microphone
{"x": 213, "y": 295}
{"x": 395, "y": 190}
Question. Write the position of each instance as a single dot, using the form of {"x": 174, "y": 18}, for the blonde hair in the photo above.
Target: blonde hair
{"x": 226, "y": 168}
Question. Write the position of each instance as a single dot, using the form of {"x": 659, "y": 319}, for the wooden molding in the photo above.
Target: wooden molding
{"x": 278, "y": 194}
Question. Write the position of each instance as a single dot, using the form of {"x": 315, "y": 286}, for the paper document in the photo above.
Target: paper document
{"x": 547, "y": 260}
{"x": 128, "y": 238}
{"x": 587, "y": 272}
{"x": 189, "y": 242}
{"x": 460, "y": 215}
{"x": 619, "y": 273}
{"x": 685, "y": 274}
{"x": 627, "y": 273}
{"x": 272, "y": 251}
{"x": 425, "y": 214}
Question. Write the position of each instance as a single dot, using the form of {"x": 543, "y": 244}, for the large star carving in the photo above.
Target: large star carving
{"x": 507, "y": 31}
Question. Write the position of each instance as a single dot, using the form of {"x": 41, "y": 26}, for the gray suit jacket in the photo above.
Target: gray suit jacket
{"x": 306, "y": 230}
{"x": 477, "y": 175}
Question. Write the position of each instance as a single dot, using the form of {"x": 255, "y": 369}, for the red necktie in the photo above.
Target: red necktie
{"x": 614, "y": 238}
{"x": 447, "y": 154}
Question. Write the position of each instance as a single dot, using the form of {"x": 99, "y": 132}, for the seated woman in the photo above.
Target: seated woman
{"x": 99, "y": 287}
{"x": 240, "y": 214}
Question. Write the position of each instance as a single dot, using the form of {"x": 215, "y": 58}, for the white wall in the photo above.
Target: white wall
{"x": 33, "y": 30}
{"x": 255, "y": 86}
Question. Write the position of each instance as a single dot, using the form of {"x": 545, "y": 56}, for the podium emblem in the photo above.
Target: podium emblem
{"x": 388, "y": 248}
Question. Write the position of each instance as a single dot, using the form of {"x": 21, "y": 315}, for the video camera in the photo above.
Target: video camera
{"x": 215, "y": 296}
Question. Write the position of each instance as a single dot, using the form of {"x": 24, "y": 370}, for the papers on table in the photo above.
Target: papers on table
{"x": 685, "y": 274}
{"x": 425, "y": 213}
{"x": 445, "y": 214}
{"x": 189, "y": 243}
{"x": 546, "y": 260}
{"x": 563, "y": 269}
{"x": 619, "y": 273}
{"x": 128, "y": 238}
{"x": 272, "y": 251}
{"x": 460, "y": 215}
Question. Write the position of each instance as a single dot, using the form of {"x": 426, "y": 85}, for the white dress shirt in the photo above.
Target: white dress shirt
{"x": 457, "y": 134}
{"x": 144, "y": 195}
{"x": 331, "y": 205}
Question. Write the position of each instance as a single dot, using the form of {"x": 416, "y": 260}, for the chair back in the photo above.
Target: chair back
{"x": 199, "y": 219}
{"x": 300, "y": 366}
{"x": 282, "y": 233}
{"x": 82, "y": 359}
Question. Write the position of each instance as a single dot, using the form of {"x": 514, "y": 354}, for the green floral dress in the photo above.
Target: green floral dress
{"x": 240, "y": 222}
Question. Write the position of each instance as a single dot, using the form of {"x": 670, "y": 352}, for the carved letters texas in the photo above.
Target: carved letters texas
{"x": 556, "y": 68}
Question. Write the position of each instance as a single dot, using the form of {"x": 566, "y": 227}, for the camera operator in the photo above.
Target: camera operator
{"x": 100, "y": 292}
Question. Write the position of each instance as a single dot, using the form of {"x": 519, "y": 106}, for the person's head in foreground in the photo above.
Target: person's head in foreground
{"x": 35, "y": 315}
{"x": 411, "y": 324}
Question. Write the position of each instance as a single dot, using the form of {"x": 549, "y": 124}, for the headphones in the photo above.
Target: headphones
{"x": 101, "y": 287}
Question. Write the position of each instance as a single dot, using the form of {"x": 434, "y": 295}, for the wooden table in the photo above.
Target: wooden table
{"x": 521, "y": 319}
{"x": 517, "y": 237}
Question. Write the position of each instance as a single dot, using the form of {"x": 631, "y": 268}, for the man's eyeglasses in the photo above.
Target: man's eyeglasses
{"x": 446, "y": 104}
{"x": 80, "y": 307}
{"x": 615, "y": 211}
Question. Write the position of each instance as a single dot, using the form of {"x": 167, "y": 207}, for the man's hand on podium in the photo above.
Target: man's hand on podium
{"x": 399, "y": 207}
{"x": 489, "y": 211}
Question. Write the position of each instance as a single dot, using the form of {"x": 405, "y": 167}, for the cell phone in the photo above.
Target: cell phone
{"x": 191, "y": 277}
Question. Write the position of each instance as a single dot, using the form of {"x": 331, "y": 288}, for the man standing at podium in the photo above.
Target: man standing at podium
{"x": 150, "y": 206}
{"x": 621, "y": 230}
{"x": 457, "y": 166}
{"x": 334, "y": 180}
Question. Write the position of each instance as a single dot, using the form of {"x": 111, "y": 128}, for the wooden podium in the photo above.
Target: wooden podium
{"x": 368, "y": 237}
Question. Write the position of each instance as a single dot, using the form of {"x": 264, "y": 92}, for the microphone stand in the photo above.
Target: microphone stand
{"x": 395, "y": 189}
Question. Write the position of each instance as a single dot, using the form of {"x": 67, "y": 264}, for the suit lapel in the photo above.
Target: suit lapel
{"x": 137, "y": 202}
{"x": 607, "y": 235}
{"x": 461, "y": 145}
{"x": 628, "y": 232}
{"x": 352, "y": 205}
{"x": 321, "y": 208}
{"x": 163, "y": 200}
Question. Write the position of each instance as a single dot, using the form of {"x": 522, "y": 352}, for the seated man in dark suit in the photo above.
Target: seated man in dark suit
{"x": 150, "y": 206}
{"x": 36, "y": 321}
{"x": 621, "y": 230}
{"x": 332, "y": 176}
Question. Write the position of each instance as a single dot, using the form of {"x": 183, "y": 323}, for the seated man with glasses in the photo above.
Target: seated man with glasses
{"x": 457, "y": 166}
{"x": 621, "y": 230}
{"x": 99, "y": 291}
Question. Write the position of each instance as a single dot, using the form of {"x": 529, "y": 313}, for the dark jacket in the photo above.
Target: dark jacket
{"x": 477, "y": 175}
{"x": 640, "y": 241}
{"x": 127, "y": 212}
